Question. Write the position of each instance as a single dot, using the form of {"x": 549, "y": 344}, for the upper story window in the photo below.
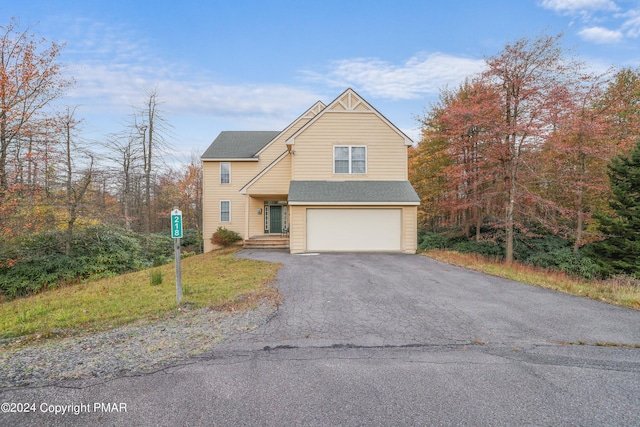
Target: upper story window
{"x": 349, "y": 159}
{"x": 225, "y": 173}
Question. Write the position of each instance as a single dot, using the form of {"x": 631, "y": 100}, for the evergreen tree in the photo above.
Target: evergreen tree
{"x": 620, "y": 251}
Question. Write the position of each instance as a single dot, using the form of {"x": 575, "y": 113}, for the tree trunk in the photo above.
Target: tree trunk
{"x": 125, "y": 204}
{"x": 478, "y": 223}
{"x": 71, "y": 208}
{"x": 151, "y": 116}
{"x": 578, "y": 242}
{"x": 4, "y": 146}
{"x": 30, "y": 171}
{"x": 509, "y": 223}
{"x": 579, "y": 202}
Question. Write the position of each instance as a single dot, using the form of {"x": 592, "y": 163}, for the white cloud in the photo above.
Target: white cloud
{"x": 418, "y": 76}
{"x": 116, "y": 88}
{"x": 621, "y": 20}
{"x": 574, "y": 6}
{"x": 631, "y": 25}
{"x": 600, "y": 35}
{"x": 113, "y": 67}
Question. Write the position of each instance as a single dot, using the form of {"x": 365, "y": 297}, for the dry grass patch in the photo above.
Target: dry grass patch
{"x": 619, "y": 292}
{"x": 215, "y": 279}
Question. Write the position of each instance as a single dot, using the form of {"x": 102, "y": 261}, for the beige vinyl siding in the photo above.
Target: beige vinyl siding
{"x": 298, "y": 230}
{"x": 275, "y": 181}
{"x": 410, "y": 229}
{"x": 386, "y": 150}
{"x": 278, "y": 146}
{"x": 241, "y": 173}
{"x": 256, "y": 221}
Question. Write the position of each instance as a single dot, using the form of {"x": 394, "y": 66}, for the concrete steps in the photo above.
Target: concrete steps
{"x": 266, "y": 242}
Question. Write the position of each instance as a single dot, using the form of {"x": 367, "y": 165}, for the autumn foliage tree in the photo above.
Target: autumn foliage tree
{"x": 427, "y": 165}
{"x": 622, "y": 97}
{"x": 467, "y": 120}
{"x": 577, "y": 152}
{"x": 30, "y": 79}
{"x": 521, "y": 149}
{"x": 527, "y": 75}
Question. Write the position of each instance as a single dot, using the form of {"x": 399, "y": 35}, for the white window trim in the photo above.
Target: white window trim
{"x": 221, "y": 202}
{"x": 225, "y": 163}
{"x": 366, "y": 160}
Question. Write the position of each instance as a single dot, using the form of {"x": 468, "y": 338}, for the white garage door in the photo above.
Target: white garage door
{"x": 354, "y": 229}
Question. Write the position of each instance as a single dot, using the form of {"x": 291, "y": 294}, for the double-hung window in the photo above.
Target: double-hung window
{"x": 225, "y": 211}
{"x": 349, "y": 159}
{"x": 225, "y": 173}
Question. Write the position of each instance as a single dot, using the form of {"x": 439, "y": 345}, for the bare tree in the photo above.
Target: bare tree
{"x": 125, "y": 152}
{"x": 153, "y": 129}
{"x": 75, "y": 188}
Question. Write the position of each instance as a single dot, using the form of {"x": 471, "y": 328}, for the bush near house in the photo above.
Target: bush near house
{"x": 224, "y": 237}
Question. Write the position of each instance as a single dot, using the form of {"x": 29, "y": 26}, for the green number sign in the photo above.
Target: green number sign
{"x": 176, "y": 224}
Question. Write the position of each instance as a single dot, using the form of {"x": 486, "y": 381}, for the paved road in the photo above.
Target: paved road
{"x": 388, "y": 340}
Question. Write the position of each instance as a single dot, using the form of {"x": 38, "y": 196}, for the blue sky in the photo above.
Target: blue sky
{"x": 256, "y": 65}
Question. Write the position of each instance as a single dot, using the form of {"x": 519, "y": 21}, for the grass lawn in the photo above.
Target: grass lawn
{"x": 613, "y": 292}
{"x": 215, "y": 279}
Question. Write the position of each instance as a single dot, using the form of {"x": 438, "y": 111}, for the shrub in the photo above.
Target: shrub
{"x": 224, "y": 237}
{"x": 486, "y": 249}
{"x": 545, "y": 251}
{"x": 566, "y": 260}
{"x": 157, "y": 248}
{"x": 31, "y": 274}
{"x": 429, "y": 240}
{"x": 528, "y": 246}
{"x": 192, "y": 240}
{"x": 38, "y": 261}
{"x": 107, "y": 250}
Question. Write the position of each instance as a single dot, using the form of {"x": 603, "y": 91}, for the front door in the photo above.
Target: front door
{"x": 275, "y": 219}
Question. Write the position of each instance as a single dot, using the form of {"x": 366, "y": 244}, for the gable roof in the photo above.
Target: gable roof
{"x": 231, "y": 145}
{"x": 352, "y": 192}
{"x": 349, "y": 101}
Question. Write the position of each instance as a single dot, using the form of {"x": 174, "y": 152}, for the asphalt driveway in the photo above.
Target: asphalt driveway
{"x": 395, "y": 300}
{"x": 385, "y": 339}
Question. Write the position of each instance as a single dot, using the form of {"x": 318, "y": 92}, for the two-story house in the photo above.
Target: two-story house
{"x": 335, "y": 179}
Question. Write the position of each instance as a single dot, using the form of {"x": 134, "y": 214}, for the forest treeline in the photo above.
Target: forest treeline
{"x": 72, "y": 208}
{"x": 519, "y": 162}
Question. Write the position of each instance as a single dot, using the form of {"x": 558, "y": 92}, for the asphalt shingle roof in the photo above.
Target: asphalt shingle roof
{"x": 238, "y": 144}
{"x": 352, "y": 191}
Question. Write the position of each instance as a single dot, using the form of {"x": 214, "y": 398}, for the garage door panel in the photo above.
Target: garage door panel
{"x": 354, "y": 229}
